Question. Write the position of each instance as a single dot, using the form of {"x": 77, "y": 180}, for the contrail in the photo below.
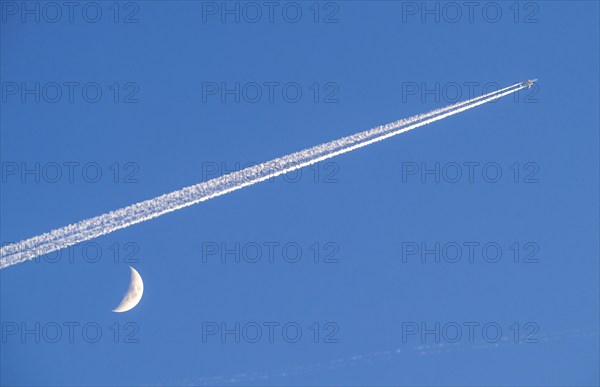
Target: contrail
{"x": 389, "y": 354}
{"x": 152, "y": 208}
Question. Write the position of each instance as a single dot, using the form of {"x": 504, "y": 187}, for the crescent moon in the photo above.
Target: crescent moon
{"x": 134, "y": 293}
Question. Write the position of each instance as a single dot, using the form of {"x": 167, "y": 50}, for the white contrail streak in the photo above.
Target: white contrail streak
{"x": 421, "y": 350}
{"x": 152, "y": 208}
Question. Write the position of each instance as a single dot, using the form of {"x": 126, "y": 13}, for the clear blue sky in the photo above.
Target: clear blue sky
{"x": 370, "y": 62}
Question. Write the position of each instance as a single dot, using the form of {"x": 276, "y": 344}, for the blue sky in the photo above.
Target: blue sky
{"x": 159, "y": 125}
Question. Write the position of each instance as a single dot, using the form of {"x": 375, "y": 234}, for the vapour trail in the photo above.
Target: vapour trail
{"x": 389, "y": 354}
{"x": 136, "y": 213}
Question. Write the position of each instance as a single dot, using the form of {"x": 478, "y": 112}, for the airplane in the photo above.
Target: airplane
{"x": 530, "y": 82}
